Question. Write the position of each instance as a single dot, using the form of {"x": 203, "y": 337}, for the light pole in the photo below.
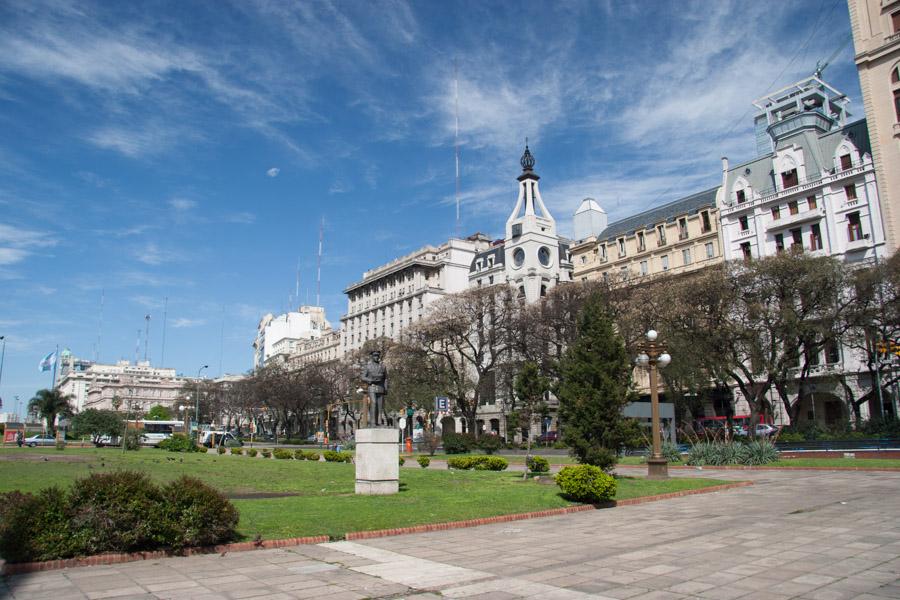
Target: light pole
{"x": 654, "y": 356}
{"x": 183, "y": 410}
{"x": 197, "y": 401}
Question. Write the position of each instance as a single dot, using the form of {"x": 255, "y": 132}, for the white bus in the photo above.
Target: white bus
{"x": 153, "y": 432}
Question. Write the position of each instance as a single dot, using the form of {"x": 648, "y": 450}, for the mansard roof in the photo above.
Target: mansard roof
{"x": 667, "y": 213}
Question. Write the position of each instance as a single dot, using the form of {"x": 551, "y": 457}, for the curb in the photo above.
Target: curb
{"x": 764, "y": 468}
{"x": 111, "y": 559}
{"x": 116, "y": 558}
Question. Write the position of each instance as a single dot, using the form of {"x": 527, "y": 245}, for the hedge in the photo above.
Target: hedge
{"x": 586, "y": 483}
{"x": 479, "y": 463}
{"x": 122, "y": 511}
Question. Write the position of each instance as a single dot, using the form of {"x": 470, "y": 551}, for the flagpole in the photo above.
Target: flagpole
{"x": 55, "y": 360}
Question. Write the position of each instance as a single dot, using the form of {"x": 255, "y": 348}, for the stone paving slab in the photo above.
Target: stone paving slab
{"x": 809, "y": 535}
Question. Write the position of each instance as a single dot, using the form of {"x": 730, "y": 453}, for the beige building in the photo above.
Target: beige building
{"x": 124, "y": 385}
{"x": 876, "y": 36}
{"x": 678, "y": 237}
{"x": 392, "y": 296}
{"x": 319, "y": 350}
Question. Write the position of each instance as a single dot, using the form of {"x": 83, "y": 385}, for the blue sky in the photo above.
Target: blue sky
{"x": 189, "y": 150}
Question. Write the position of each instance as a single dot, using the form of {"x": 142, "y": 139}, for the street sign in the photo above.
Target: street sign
{"x": 402, "y": 423}
{"x": 441, "y": 404}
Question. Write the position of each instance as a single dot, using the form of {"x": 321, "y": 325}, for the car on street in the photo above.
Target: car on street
{"x": 548, "y": 437}
{"x": 765, "y": 430}
{"x": 39, "y": 440}
{"x": 219, "y": 438}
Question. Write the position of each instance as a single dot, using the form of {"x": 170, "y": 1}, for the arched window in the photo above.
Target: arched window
{"x": 895, "y": 84}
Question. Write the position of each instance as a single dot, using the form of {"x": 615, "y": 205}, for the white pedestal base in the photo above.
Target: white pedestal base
{"x": 377, "y": 462}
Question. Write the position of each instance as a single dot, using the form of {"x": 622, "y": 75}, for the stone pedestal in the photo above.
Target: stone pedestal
{"x": 657, "y": 468}
{"x": 377, "y": 462}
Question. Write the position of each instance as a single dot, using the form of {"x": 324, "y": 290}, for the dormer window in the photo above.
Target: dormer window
{"x": 640, "y": 241}
{"x": 621, "y": 243}
{"x": 846, "y": 162}
{"x": 741, "y": 196}
{"x": 661, "y": 235}
{"x": 789, "y": 179}
{"x": 682, "y": 229}
{"x": 705, "y": 224}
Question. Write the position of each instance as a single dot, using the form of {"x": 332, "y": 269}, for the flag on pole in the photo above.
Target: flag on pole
{"x": 47, "y": 363}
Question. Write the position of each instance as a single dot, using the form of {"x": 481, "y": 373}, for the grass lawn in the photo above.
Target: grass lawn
{"x": 322, "y": 499}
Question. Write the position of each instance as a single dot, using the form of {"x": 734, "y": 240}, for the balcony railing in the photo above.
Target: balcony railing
{"x": 786, "y": 220}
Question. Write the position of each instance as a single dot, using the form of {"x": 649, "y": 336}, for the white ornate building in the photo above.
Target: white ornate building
{"x": 532, "y": 257}
{"x": 279, "y": 336}
{"x": 812, "y": 189}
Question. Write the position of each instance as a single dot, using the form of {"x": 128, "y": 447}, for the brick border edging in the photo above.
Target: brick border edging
{"x": 766, "y": 468}
{"x": 113, "y": 558}
{"x": 364, "y": 535}
{"x": 116, "y": 558}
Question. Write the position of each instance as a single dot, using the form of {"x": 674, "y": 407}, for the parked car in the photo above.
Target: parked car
{"x": 765, "y": 430}
{"x": 220, "y": 438}
{"x": 548, "y": 437}
{"x": 40, "y": 440}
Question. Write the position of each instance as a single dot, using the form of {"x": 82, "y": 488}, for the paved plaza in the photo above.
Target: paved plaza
{"x": 819, "y": 535}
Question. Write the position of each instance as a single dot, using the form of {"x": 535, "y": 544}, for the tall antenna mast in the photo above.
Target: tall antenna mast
{"x": 146, "y": 337}
{"x": 162, "y": 359}
{"x": 319, "y": 263}
{"x": 456, "y": 137}
{"x": 100, "y": 326}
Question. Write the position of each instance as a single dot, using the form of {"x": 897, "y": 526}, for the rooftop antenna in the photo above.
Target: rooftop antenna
{"x": 456, "y": 136}
{"x": 146, "y": 338}
{"x": 162, "y": 359}
{"x": 820, "y": 66}
{"x": 319, "y": 263}
{"x": 100, "y": 326}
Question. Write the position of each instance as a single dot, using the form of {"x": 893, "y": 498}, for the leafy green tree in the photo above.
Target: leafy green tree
{"x": 48, "y": 404}
{"x": 530, "y": 388}
{"x": 97, "y": 423}
{"x": 594, "y": 387}
{"x": 158, "y": 413}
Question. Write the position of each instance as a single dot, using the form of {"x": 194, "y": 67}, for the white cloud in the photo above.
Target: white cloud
{"x": 149, "y": 139}
{"x": 340, "y": 187}
{"x": 25, "y": 238}
{"x": 151, "y": 254}
{"x": 273, "y": 172}
{"x": 9, "y": 256}
{"x": 182, "y": 204}
{"x": 182, "y": 322}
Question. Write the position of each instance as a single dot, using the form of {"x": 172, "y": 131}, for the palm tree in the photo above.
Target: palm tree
{"x": 48, "y": 404}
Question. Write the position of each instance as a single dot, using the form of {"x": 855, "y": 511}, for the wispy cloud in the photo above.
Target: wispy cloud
{"x": 243, "y": 218}
{"x": 151, "y": 254}
{"x": 181, "y": 322}
{"x": 17, "y": 243}
{"x": 9, "y": 256}
{"x": 273, "y": 172}
{"x": 182, "y": 204}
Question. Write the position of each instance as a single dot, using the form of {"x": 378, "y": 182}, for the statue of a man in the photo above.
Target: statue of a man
{"x": 375, "y": 374}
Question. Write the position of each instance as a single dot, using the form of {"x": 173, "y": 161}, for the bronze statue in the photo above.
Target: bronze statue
{"x": 375, "y": 374}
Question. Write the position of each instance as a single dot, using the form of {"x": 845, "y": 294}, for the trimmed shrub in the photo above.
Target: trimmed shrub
{"x": 299, "y": 454}
{"x": 179, "y": 442}
{"x": 113, "y": 512}
{"x": 196, "y": 514}
{"x": 221, "y": 449}
{"x": 332, "y": 456}
{"x": 586, "y": 483}
{"x": 282, "y": 453}
{"x": 489, "y": 443}
{"x": 252, "y": 452}
{"x": 538, "y": 464}
{"x": 559, "y": 445}
{"x": 423, "y": 461}
{"x": 479, "y": 463}
{"x": 237, "y": 451}
{"x": 310, "y": 455}
{"x": 458, "y": 443}
{"x": 266, "y": 452}
{"x": 402, "y": 461}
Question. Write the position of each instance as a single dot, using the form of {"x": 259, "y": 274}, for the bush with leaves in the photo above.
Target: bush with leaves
{"x": 300, "y": 454}
{"x": 479, "y": 463}
{"x": 97, "y": 423}
{"x": 179, "y": 442}
{"x": 669, "y": 451}
{"x": 402, "y": 461}
{"x": 423, "y": 461}
{"x": 489, "y": 443}
{"x": 310, "y": 455}
{"x": 586, "y": 483}
{"x": 458, "y": 443}
{"x": 283, "y": 453}
{"x": 252, "y": 452}
{"x": 122, "y": 511}
{"x": 538, "y": 464}
{"x": 221, "y": 449}
{"x": 430, "y": 442}
{"x": 753, "y": 452}
{"x": 237, "y": 451}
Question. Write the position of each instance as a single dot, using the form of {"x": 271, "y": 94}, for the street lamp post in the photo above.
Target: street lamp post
{"x": 653, "y": 355}
{"x": 197, "y": 401}
{"x": 183, "y": 410}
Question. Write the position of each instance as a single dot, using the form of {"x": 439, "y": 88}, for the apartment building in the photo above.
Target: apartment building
{"x": 279, "y": 336}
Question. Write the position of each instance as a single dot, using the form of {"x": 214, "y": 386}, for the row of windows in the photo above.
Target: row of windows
{"x": 794, "y": 237}
{"x": 790, "y": 178}
{"x": 793, "y": 207}
{"x": 661, "y": 241}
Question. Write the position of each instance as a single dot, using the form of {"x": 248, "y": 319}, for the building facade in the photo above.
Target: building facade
{"x": 122, "y": 386}
{"x": 876, "y": 36}
{"x": 324, "y": 349}
{"x": 678, "y": 237}
{"x": 395, "y": 295}
{"x": 532, "y": 257}
{"x": 278, "y": 336}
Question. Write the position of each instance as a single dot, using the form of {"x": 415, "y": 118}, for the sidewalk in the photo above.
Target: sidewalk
{"x": 799, "y": 534}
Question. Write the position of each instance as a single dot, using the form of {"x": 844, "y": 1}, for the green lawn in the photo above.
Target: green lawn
{"x": 324, "y": 502}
